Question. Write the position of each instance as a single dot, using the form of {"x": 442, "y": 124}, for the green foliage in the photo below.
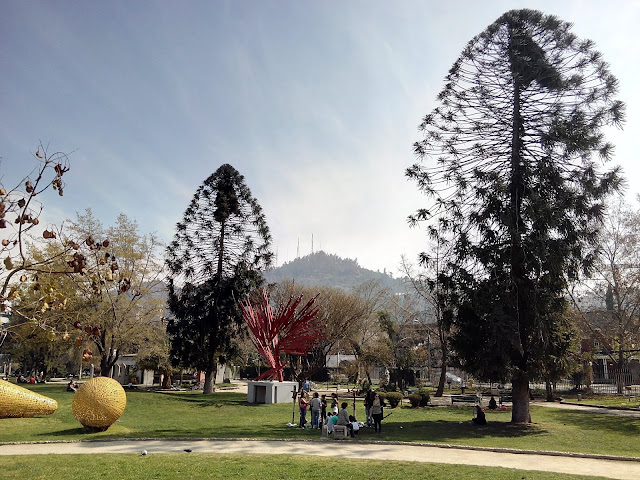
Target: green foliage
{"x": 517, "y": 193}
{"x": 415, "y": 399}
{"x": 157, "y": 360}
{"x": 206, "y": 318}
{"x": 222, "y": 228}
{"x": 425, "y": 396}
{"x": 123, "y": 296}
{"x": 219, "y": 250}
{"x": 37, "y": 350}
{"x": 111, "y": 304}
{"x": 394, "y": 398}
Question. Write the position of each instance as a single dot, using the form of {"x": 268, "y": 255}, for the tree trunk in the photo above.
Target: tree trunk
{"x": 620, "y": 379}
{"x": 209, "y": 380}
{"x": 520, "y": 412}
{"x": 443, "y": 379}
{"x": 166, "y": 381}
{"x": 549, "y": 388}
{"x": 108, "y": 361}
{"x": 444, "y": 348}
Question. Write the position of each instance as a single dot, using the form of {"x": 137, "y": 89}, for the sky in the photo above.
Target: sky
{"x": 315, "y": 103}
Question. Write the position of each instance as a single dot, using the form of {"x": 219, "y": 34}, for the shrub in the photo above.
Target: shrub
{"x": 415, "y": 399}
{"x": 365, "y": 386}
{"x": 425, "y": 396}
{"x": 394, "y": 398}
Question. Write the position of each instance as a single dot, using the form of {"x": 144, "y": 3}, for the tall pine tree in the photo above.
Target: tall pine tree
{"x": 220, "y": 248}
{"x": 510, "y": 159}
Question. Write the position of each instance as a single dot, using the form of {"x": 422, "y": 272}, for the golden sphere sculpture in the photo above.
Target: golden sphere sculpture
{"x": 19, "y": 402}
{"x": 98, "y": 403}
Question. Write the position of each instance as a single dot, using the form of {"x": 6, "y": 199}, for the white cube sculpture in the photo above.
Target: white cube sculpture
{"x": 265, "y": 391}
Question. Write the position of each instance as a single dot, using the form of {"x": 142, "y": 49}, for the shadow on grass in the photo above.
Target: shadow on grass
{"x": 596, "y": 422}
{"x": 431, "y": 432}
{"x": 69, "y": 432}
{"x": 216, "y": 399}
{"x": 443, "y": 431}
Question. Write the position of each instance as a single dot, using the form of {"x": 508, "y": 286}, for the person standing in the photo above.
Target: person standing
{"x": 334, "y": 401}
{"x": 303, "y": 404}
{"x": 368, "y": 402}
{"x": 376, "y": 413}
{"x": 316, "y": 409}
{"x": 323, "y": 409}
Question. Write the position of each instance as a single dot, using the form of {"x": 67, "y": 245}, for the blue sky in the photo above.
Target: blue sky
{"x": 316, "y": 103}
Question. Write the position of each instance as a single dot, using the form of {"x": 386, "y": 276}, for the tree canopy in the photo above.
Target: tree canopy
{"x": 113, "y": 292}
{"x": 222, "y": 227}
{"x": 511, "y": 159}
{"x": 220, "y": 248}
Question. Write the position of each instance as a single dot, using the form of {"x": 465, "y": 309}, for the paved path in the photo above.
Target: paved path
{"x": 569, "y": 464}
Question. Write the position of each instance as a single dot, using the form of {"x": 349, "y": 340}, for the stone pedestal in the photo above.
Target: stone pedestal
{"x": 266, "y": 392}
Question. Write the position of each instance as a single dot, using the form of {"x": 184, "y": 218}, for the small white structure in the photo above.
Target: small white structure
{"x": 124, "y": 371}
{"x": 265, "y": 391}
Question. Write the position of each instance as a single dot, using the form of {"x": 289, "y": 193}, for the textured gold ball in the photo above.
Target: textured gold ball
{"x": 98, "y": 403}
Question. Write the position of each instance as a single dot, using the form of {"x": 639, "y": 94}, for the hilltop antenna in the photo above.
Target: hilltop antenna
{"x": 312, "y": 244}
{"x": 298, "y": 250}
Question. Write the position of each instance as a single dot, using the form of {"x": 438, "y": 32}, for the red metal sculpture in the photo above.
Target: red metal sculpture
{"x": 286, "y": 330}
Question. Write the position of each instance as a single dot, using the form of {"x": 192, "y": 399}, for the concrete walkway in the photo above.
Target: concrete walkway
{"x": 560, "y": 463}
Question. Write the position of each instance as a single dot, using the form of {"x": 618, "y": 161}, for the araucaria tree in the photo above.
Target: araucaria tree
{"x": 220, "y": 248}
{"x": 510, "y": 159}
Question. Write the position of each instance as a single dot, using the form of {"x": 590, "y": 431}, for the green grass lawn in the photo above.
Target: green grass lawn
{"x": 605, "y": 400}
{"x": 250, "y": 467}
{"x": 227, "y": 415}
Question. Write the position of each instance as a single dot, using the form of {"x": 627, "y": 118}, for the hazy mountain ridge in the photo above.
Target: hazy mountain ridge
{"x": 321, "y": 268}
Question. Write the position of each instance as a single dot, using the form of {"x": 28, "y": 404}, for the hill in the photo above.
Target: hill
{"x": 330, "y": 270}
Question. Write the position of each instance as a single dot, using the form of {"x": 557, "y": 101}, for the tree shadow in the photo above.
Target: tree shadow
{"x": 445, "y": 431}
{"x": 597, "y": 422}
{"x": 217, "y": 399}
{"x": 66, "y": 433}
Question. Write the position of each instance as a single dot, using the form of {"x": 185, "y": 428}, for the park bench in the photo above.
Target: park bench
{"x": 440, "y": 401}
{"x": 465, "y": 398}
{"x": 340, "y": 432}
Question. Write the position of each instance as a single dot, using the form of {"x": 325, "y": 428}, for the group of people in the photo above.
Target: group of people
{"x": 31, "y": 379}
{"x": 322, "y": 413}
{"x": 342, "y": 417}
{"x": 317, "y": 405}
